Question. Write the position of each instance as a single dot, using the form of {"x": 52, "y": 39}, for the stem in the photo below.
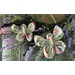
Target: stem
{"x": 39, "y": 54}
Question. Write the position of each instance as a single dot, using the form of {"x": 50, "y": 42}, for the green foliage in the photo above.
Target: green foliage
{"x": 38, "y": 52}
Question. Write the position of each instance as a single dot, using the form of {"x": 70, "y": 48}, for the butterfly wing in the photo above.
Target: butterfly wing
{"x": 29, "y": 36}
{"x": 58, "y": 33}
{"x": 15, "y": 28}
{"x": 20, "y": 36}
{"x": 31, "y": 27}
{"x": 59, "y": 47}
{"x": 47, "y": 48}
{"x": 49, "y": 52}
{"x": 40, "y": 41}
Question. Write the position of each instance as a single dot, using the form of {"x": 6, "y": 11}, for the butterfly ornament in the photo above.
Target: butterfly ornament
{"x": 52, "y": 44}
{"x": 23, "y": 31}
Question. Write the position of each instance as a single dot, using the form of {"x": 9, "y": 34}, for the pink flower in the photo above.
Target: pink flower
{"x": 5, "y": 30}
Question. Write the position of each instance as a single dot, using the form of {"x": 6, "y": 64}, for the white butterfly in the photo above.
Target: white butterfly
{"x": 24, "y": 31}
{"x": 52, "y": 44}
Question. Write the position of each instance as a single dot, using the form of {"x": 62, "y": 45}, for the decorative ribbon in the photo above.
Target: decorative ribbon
{"x": 52, "y": 45}
{"x": 24, "y": 31}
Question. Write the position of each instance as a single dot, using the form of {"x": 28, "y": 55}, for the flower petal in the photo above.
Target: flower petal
{"x": 40, "y": 41}
{"x": 29, "y": 36}
{"x": 19, "y": 36}
{"x": 15, "y": 28}
{"x": 31, "y": 27}
{"x": 59, "y": 47}
{"x": 49, "y": 52}
{"x": 23, "y": 26}
{"x": 58, "y": 33}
